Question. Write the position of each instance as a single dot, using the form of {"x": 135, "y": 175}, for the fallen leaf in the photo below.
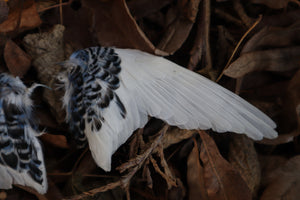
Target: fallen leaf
{"x": 3, "y": 195}
{"x": 3, "y": 10}
{"x": 289, "y": 118}
{"x": 195, "y": 175}
{"x": 293, "y": 90}
{"x": 201, "y": 48}
{"x": 243, "y": 157}
{"x": 240, "y": 10}
{"x": 29, "y": 19}
{"x": 176, "y": 135}
{"x": 279, "y": 4}
{"x": 281, "y": 139}
{"x": 293, "y": 104}
{"x": 59, "y": 141}
{"x": 222, "y": 181}
{"x": 284, "y": 183}
{"x": 142, "y": 8}
{"x": 269, "y": 163}
{"x": 274, "y": 37}
{"x": 113, "y": 25}
{"x": 282, "y": 59}
{"x": 283, "y": 19}
{"x": 17, "y": 61}
{"x": 183, "y": 20}
{"x": 177, "y": 192}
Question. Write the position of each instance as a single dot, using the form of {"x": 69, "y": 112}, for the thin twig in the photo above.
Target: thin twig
{"x": 55, "y": 6}
{"x": 60, "y": 12}
{"x": 140, "y": 159}
{"x": 133, "y": 166}
{"x": 167, "y": 178}
{"x": 238, "y": 45}
{"x": 96, "y": 191}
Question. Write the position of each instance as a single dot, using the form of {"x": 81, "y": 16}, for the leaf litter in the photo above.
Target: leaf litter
{"x": 165, "y": 162}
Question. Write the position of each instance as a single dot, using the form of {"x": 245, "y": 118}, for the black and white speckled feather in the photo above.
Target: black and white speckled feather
{"x": 21, "y": 157}
{"x": 111, "y": 92}
{"x": 90, "y": 87}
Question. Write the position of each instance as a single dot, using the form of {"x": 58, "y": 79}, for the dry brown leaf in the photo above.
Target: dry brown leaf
{"x": 17, "y": 61}
{"x": 29, "y": 19}
{"x": 176, "y": 135}
{"x": 3, "y": 195}
{"x": 222, "y": 181}
{"x": 294, "y": 91}
{"x": 281, "y": 139}
{"x": 283, "y": 59}
{"x": 179, "y": 29}
{"x": 294, "y": 96}
{"x": 113, "y": 25}
{"x": 272, "y": 36}
{"x": 43, "y": 5}
{"x": 269, "y": 163}
{"x": 78, "y": 35}
{"x": 239, "y": 8}
{"x": 243, "y": 157}
{"x": 195, "y": 176}
{"x": 59, "y": 141}
{"x": 284, "y": 183}
{"x": 289, "y": 120}
{"x": 3, "y": 10}
{"x": 278, "y": 4}
{"x": 142, "y": 8}
{"x": 201, "y": 47}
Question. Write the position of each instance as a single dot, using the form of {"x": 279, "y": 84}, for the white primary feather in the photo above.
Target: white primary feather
{"x": 152, "y": 85}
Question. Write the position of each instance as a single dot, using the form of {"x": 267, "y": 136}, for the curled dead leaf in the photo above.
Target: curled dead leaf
{"x": 279, "y": 4}
{"x": 243, "y": 157}
{"x": 222, "y": 181}
{"x": 59, "y": 141}
{"x": 282, "y": 59}
{"x": 114, "y": 26}
{"x": 195, "y": 175}
{"x": 274, "y": 36}
{"x": 284, "y": 182}
{"x": 17, "y": 61}
{"x": 3, "y": 10}
{"x": 29, "y": 19}
{"x": 178, "y": 31}
{"x": 176, "y": 135}
{"x": 143, "y": 8}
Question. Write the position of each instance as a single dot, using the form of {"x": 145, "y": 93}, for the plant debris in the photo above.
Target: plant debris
{"x": 252, "y": 47}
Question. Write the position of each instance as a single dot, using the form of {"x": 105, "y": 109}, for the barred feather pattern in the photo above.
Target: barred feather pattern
{"x": 90, "y": 89}
{"x": 21, "y": 157}
{"x": 110, "y": 92}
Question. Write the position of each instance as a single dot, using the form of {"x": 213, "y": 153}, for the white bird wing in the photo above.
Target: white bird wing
{"x": 154, "y": 86}
{"x": 21, "y": 156}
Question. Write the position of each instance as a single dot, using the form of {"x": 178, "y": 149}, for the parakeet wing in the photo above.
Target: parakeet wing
{"x": 153, "y": 86}
{"x": 21, "y": 157}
